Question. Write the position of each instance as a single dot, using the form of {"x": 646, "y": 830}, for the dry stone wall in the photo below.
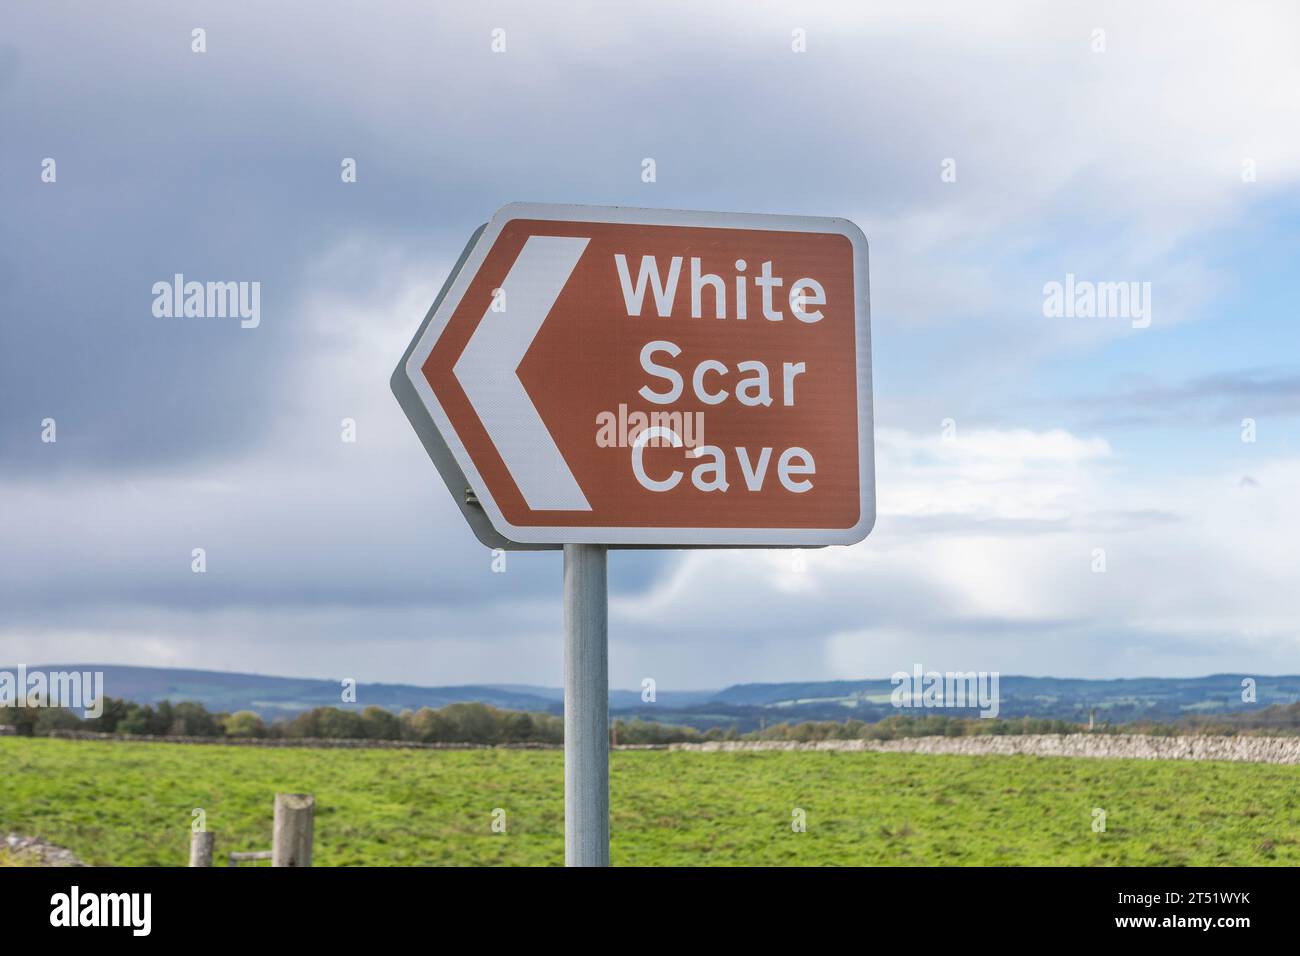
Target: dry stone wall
{"x": 1131, "y": 746}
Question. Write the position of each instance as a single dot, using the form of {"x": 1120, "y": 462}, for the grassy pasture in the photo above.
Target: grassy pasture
{"x": 131, "y": 803}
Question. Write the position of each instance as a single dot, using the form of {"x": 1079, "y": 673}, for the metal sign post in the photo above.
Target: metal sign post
{"x": 586, "y": 706}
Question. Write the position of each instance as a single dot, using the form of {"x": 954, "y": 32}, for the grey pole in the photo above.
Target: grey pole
{"x": 586, "y": 706}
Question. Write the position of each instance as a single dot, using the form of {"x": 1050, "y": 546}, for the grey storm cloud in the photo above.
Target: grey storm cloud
{"x": 225, "y": 166}
{"x": 1222, "y": 398}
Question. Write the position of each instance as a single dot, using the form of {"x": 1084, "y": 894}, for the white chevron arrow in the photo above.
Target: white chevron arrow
{"x": 488, "y": 371}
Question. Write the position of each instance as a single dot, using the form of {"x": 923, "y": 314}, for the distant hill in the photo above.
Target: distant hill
{"x": 746, "y": 706}
{"x": 274, "y": 697}
{"x": 1112, "y": 701}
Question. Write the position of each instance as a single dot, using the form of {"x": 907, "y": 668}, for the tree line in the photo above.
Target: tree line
{"x": 462, "y": 723}
{"x": 455, "y": 723}
{"x": 475, "y": 723}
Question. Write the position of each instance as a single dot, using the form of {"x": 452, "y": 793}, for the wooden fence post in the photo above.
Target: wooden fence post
{"x": 292, "y": 834}
{"x": 201, "y": 848}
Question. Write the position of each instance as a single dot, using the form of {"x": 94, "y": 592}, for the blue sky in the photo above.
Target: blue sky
{"x": 1072, "y": 434}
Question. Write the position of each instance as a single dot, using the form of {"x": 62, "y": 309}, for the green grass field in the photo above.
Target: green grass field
{"x": 131, "y": 803}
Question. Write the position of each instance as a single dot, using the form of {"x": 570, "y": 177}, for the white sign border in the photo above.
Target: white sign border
{"x": 662, "y": 536}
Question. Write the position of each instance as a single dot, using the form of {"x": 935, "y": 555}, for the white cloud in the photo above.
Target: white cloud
{"x": 1204, "y": 588}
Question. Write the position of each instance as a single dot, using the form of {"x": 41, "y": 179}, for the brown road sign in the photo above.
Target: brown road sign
{"x": 640, "y": 377}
